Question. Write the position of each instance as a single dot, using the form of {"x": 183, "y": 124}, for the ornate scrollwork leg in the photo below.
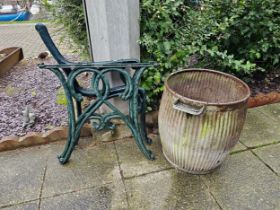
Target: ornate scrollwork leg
{"x": 75, "y": 125}
{"x": 64, "y": 157}
{"x": 79, "y": 112}
{"x": 142, "y": 119}
{"x": 138, "y": 139}
{"x": 69, "y": 146}
{"x": 131, "y": 121}
{"x": 133, "y": 107}
{"x": 133, "y": 112}
{"x": 75, "y": 130}
{"x": 71, "y": 115}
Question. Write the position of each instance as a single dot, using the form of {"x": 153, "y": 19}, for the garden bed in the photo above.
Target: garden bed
{"x": 265, "y": 89}
{"x": 27, "y": 85}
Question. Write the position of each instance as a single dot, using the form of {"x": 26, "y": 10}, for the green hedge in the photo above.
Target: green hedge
{"x": 70, "y": 14}
{"x": 235, "y": 36}
{"x": 239, "y": 37}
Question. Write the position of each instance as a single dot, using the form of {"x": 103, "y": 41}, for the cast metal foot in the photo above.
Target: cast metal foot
{"x": 62, "y": 160}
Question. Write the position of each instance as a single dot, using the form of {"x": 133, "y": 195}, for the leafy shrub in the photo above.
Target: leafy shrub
{"x": 167, "y": 36}
{"x": 249, "y": 30}
{"x": 70, "y": 14}
{"x": 235, "y": 36}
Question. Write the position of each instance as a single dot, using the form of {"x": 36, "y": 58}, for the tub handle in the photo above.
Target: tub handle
{"x": 187, "y": 108}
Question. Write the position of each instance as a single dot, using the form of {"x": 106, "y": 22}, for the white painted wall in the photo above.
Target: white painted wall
{"x": 113, "y": 27}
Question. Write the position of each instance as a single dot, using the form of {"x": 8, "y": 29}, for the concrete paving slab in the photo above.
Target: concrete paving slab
{"x": 92, "y": 179}
{"x": 259, "y": 129}
{"x": 242, "y": 182}
{"x": 99, "y": 198}
{"x": 168, "y": 190}
{"x": 133, "y": 162}
{"x": 21, "y": 174}
{"x": 270, "y": 155}
{"x": 272, "y": 111}
{"x": 129, "y": 154}
{"x": 88, "y": 167}
{"x": 24, "y": 206}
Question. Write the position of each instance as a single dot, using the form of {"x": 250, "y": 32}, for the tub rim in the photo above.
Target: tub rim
{"x": 244, "y": 99}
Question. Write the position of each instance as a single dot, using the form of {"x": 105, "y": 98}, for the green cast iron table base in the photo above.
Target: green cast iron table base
{"x": 100, "y": 91}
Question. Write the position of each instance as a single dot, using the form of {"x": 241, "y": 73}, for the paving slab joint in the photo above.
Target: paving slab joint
{"x": 260, "y": 145}
{"x": 239, "y": 151}
{"x": 211, "y": 194}
{"x": 42, "y": 186}
{"x": 122, "y": 177}
{"x": 152, "y": 172}
{"x": 16, "y": 204}
{"x": 75, "y": 191}
{"x": 266, "y": 164}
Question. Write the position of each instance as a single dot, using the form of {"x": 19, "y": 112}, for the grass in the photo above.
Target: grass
{"x": 25, "y": 22}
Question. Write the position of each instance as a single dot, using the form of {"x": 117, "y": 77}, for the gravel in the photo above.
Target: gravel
{"x": 27, "y": 85}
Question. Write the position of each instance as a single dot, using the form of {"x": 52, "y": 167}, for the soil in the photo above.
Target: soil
{"x": 27, "y": 85}
{"x": 265, "y": 83}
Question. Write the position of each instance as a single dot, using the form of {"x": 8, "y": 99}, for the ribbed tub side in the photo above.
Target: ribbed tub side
{"x": 198, "y": 143}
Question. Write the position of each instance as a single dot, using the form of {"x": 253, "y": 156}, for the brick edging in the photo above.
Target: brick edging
{"x": 36, "y": 138}
{"x": 262, "y": 99}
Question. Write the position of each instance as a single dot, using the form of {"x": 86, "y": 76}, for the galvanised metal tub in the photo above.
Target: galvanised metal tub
{"x": 202, "y": 113}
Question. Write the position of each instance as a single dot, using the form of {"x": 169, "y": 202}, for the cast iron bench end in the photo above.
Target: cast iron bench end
{"x": 100, "y": 91}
